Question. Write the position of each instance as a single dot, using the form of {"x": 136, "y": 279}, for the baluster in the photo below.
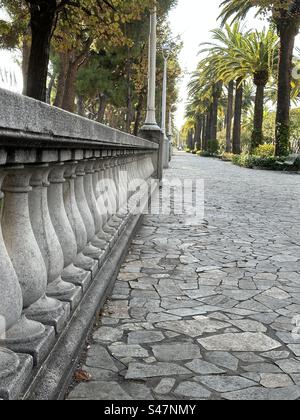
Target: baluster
{"x": 92, "y": 203}
{"x": 113, "y": 220}
{"x": 118, "y": 217}
{"x": 91, "y": 250}
{"x": 75, "y": 218}
{"x": 10, "y": 303}
{"x": 50, "y": 249}
{"x": 103, "y": 201}
{"x": 122, "y": 175}
{"x": 24, "y": 253}
{"x": 63, "y": 228}
{"x": 99, "y": 203}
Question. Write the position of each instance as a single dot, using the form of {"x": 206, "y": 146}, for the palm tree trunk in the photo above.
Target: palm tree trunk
{"x": 198, "y": 132}
{"x": 236, "y": 140}
{"x": 217, "y": 89}
{"x": 203, "y": 132}
{"x": 208, "y": 129}
{"x": 229, "y": 116}
{"x": 257, "y": 134}
{"x": 287, "y": 33}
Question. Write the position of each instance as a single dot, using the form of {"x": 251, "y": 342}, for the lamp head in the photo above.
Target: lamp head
{"x": 166, "y": 50}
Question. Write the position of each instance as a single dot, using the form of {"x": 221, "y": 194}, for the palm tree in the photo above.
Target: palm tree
{"x": 220, "y": 51}
{"x": 235, "y": 55}
{"x": 201, "y": 93}
{"x": 286, "y": 16}
{"x": 256, "y": 56}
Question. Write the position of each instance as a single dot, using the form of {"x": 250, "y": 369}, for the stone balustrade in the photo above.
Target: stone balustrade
{"x": 69, "y": 189}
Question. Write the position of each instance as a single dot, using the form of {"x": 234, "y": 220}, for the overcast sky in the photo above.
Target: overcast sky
{"x": 192, "y": 20}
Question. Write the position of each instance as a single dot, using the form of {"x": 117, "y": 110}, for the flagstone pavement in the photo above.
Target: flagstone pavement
{"x": 207, "y": 310}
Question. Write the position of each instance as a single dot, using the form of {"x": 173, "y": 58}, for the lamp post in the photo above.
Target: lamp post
{"x": 150, "y": 122}
{"x": 150, "y": 129}
{"x": 166, "y": 54}
{"x": 170, "y": 135}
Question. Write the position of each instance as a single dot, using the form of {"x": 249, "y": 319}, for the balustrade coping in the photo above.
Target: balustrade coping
{"x": 26, "y": 123}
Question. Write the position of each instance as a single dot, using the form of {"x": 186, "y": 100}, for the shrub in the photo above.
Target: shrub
{"x": 249, "y": 161}
{"x": 265, "y": 162}
{"x": 242, "y": 160}
{"x": 187, "y": 150}
{"x": 213, "y": 147}
{"x": 265, "y": 151}
{"x": 227, "y": 156}
{"x": 204, "y": 153}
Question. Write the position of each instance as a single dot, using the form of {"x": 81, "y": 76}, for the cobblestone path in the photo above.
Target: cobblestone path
{"x": 206, "y": 311}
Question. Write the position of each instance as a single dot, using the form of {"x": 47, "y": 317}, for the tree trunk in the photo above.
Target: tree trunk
{"x": 42, "y": 21}
{"x": 287, "y": 34}
{"x": 68, "y": 102}
{"x": 257, "y": 134}
{"x": 198, "y": 132}
{"x": 236, "y": 140}
{"x": 25, "y": 60}
{"x": 129, "y": 112}
{"x": 80, "y": 105}
{"x": 138, "y": 115}
{"x": 102, "y": 108}
{"x": 203, "y": 132}
{"x": 217, "y": 90}
{"x": 229, "y": 116}
{"x": 50, "y": 88}
{"x": 208, "y": 129}
{"x": 63, "y": 71}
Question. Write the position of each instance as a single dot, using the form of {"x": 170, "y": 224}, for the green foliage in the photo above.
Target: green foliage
{"x": 264, "y": 151}
{"x": 244, "y": 160}
{"x": 204, "y": 153}
{"x": 213, "y": 147}
{"x": 256, "y": 162}
{"x": 227, "y": 157}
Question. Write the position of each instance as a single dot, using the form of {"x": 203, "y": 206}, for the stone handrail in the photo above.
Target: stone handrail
{"x": 66, "y": 199}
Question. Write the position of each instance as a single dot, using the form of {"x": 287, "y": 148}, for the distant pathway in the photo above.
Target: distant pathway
{"x": 206, "y": 312}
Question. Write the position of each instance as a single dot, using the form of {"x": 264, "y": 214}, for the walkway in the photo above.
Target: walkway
{"x": 207, "y": 311}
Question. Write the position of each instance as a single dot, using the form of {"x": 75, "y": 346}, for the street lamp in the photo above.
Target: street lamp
{"x": 150, "y": 123}
{"x": 166, "y": 53}
{"x": 170, "y": 135}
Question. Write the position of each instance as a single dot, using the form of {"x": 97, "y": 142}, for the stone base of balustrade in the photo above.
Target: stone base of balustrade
{"x": 57, "y": 319}
{"x": 13, "y": 386}
{"x": 82, "y": 284}
{"x": 39, "y": 349}
{"x": 73, "y": 298}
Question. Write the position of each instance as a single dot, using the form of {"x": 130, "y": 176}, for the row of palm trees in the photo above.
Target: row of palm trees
{"x": 232, "y": 58}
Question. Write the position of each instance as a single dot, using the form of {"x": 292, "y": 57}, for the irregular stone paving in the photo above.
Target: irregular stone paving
{"x": 206, "y": 311}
